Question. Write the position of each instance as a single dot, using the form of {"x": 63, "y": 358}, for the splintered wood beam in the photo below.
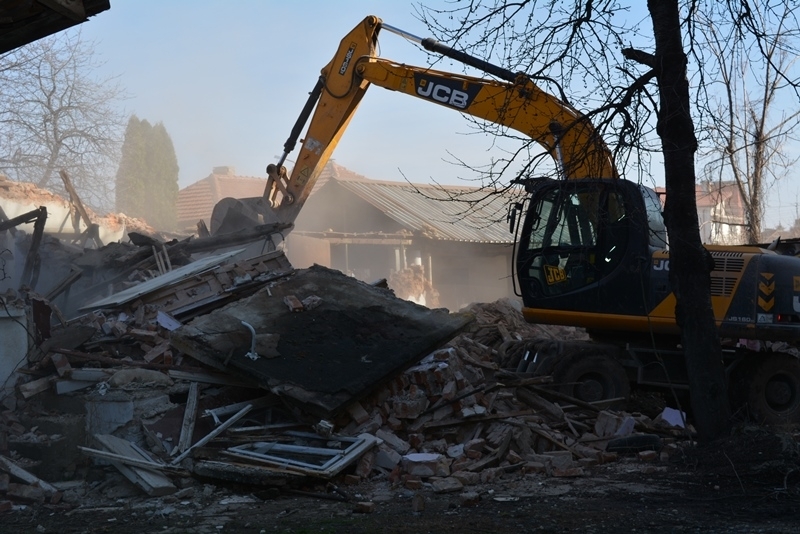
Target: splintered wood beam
{"x": 75, "y": 200}
{"x": 189, "y": 417}
{"x": 146, "y": 475}
{"x": 25, "y": 218}
{"x": 126, "y": 460}
{"x": 65, "y": 283}
{"x": 16, "y": 471}
{"x": 30, "y": 272}
{"x": 214, "y": 433}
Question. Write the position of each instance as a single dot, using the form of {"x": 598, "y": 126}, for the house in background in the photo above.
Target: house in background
{"x": 429, "y": 242}
{"x": 419, "y": 237}
{"x": 196, "y": 202}
{"x": 720, "y": 213}
{"x": 431, "y": 248}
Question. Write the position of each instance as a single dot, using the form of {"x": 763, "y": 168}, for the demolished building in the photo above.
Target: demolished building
{"x": 248, "y": 370}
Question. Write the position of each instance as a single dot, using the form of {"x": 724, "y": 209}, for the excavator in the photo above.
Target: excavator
{"x": 591, "y": 249}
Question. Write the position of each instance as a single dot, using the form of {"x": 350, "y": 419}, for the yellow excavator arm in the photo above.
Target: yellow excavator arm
{"x": 514, "y": 101}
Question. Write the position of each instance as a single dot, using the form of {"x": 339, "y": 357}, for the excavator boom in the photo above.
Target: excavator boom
{"x": 514, "y": 101}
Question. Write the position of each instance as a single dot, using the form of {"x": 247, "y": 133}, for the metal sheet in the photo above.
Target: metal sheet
{"x": 477, "y": 216}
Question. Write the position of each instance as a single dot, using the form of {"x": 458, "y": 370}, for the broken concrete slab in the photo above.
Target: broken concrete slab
{"x": 355, "y": 339}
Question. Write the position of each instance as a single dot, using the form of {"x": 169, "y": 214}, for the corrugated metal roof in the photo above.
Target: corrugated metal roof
{"x": 444, "y": 213}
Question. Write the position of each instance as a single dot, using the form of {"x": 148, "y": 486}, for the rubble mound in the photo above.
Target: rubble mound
{"x": 412, "y": 284}
{"x": 501, "y": 326}
{"x": 249, "y": 371}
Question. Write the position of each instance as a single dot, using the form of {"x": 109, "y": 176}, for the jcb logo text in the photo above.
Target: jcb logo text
{"x": 453, "y": 93}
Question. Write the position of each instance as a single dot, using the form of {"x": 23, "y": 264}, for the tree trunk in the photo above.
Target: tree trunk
{"x": 690, "y": 262}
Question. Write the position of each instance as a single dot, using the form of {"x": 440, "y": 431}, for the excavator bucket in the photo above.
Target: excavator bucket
{"x": 232, "y": 214}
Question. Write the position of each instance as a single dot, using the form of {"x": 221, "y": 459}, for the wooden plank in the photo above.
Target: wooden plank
{"x": 478, "y": 418}
{"x": 157, "y": 351}
{"x": 497, "y": 456}
{"x": 539, "y": 403}
{"x": 544, "y": 392}
{"x": 244, "y": 474}
{"x": 30, "y": 270}
{"x": 153, "y": 483}
{"x": 215, "y": 286}
{"x": 189, "y": 418}
{"x": 133, "y": 462}
{"x": 29, "y": 389}
{"x": 545, "y": 435}
{"x": 222, "y": 411}
{"x": 65, "y": 284}
{"x": 205, "y": 377}
{"x": 214, "y": 433}
{"x": 16, "y": 471}
{"x": 75, "y": 200}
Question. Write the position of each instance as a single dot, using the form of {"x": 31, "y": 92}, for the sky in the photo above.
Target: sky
{"x": 229, "y": 78}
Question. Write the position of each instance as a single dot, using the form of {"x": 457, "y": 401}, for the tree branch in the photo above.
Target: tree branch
{"x": 639, "y": 56}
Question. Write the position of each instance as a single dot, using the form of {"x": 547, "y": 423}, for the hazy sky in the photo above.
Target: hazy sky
{"x": 229, "y": 78}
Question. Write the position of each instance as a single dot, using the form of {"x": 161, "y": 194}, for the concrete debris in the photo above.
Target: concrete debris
{"x": 151, "y": 389}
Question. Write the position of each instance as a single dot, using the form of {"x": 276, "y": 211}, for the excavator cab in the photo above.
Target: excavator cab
{"x": 585, "y": 243}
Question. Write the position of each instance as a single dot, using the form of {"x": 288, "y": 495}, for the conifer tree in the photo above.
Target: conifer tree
{"x": 131, "y": 181}
{"x": 163, "y": 178}
{"x": 147, "y": 178}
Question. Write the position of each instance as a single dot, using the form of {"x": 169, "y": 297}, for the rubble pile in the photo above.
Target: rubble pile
{"x": 457, "y": 418}
{"x": 412, "y": 284}
{"x": 113, "y": 389}
{"x": 252, "y": 372}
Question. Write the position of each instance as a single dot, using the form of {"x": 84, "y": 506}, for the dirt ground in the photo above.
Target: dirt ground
{"x": 748, "y": 483}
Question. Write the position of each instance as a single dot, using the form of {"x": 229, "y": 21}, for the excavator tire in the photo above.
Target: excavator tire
{"x": 773, "y": 395}
{"x": 591, "y": 377}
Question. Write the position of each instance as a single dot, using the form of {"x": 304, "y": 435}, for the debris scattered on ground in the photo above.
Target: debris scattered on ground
{"x": 167, "y": 371}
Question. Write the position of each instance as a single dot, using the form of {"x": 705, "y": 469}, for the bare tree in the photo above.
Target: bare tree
{"x": 752, "y": 107}
{"x": 55, "y": 114}
{"x": 592, "y": 52}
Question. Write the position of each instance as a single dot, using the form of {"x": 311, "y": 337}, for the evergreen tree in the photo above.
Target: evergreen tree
{"x": 147, "y": 179}
{"x": 163, "y": 177}
{"x": 131, "y": 181}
